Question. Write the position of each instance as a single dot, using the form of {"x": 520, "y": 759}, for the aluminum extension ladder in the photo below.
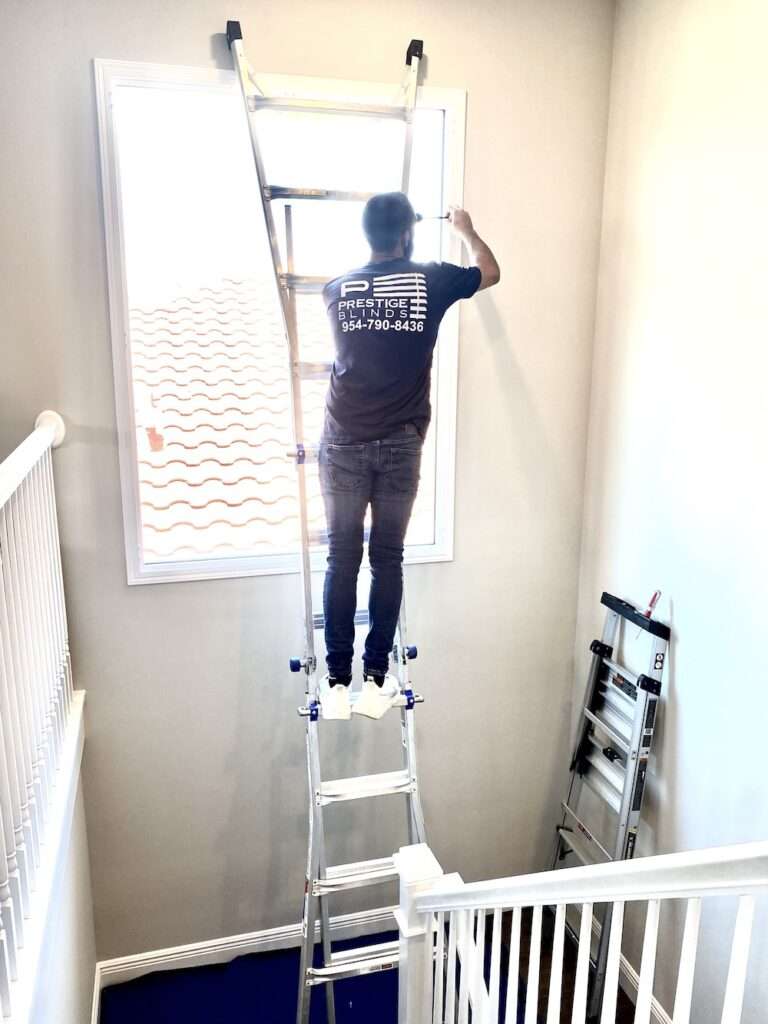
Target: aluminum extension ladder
{"x": 323, "y": 880}
{"x": 611, "y": 754}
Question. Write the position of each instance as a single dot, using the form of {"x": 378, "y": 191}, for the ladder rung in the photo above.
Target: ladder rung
{"x": 619, "y": 740}
{"x": 613, "y": 771}
{"x": 606, "y": 792}
{"x": 385, "y": 961}
{"x": 614, "y": 666}
{"x": 313, "y": 371}
{"x": 304, "y": 283}
{"x": 572, "y": 841}
{"x": 336, "y": 195}
{"x": 375, "y": 952}
{"x": 584, "y": 831}
{"x": 352, "y": 876}
{"x": 382, "y": 784}
{"x": 618, "y": 700}
{"x": 328, "y": 106}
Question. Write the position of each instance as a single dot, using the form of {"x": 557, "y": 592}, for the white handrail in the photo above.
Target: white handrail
{"x": 49, "y": 432}
{"x": 442, "y": 912}
{"x": 725, "y": 870}
{"x": 35, "y": 702}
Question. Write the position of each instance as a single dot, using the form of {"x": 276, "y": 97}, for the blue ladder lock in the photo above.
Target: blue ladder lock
{"x": 409, "y": 700}
{"x": 411, "y": 652}
{"x": 295, "y": 664}
{"x": 314, "y": 711}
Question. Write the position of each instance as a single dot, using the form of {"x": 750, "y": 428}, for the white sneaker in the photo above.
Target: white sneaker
{"x": 374, "y": 701}
{"x": 334, "y": 701}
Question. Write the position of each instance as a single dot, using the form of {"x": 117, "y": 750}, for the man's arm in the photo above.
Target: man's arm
{"x": 480, "y": 255}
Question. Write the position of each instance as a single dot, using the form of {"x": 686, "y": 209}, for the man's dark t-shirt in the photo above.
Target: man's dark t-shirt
{"x": 385, "y": 318}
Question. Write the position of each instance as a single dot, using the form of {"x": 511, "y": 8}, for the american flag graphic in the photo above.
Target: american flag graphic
{"x": 404, "y": 286}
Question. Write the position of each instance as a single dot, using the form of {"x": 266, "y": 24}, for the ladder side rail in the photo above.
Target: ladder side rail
{"x": 416, "y": 828}
{"x": 288, "y": 317}
{"x": 298, "y": 432}
{"x": 607, "y": 639}
{"x": 413, "y": 62}
{"x": 309, "y": 915}
{"x": 643, "y": 728}
{"x": 322, "y": 872}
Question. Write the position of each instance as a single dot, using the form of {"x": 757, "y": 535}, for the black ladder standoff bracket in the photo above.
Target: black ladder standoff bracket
{"x": 234, "y": 32}
{"x": 415, "y": 49}
{"x": 649, "y": 685}
{"x": 600, "y": 649}
{"x": 629, "y": 612}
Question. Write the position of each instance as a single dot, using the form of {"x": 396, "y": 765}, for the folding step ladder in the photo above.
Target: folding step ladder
{"x": 611, "y": 754}
{"x": 323, "y": 880}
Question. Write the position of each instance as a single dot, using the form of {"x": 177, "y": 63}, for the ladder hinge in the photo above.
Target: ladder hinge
{"x": 301, "y": 454}
{"x": 650, "y": 685}
{"x": 601, "y": 649}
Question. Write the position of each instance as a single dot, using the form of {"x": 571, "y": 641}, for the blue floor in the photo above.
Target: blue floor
{"x": 259, "y": 989}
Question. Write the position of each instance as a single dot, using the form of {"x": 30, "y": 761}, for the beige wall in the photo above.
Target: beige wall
{"x": 676, "y": 494}
{"x": 68, "y": 959}
{"x": 194, "y": 773}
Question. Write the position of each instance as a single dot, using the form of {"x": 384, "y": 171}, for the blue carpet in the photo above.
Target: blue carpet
{"x": 258, "y": 989}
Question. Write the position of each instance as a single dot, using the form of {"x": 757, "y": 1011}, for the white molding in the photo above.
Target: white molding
{"x": 218, "y": 951}
{"x": 629, "y": 979}
{"x": 109, "y": 74}
{"x": 52, "y": 857}
{"x": 96, "y": 997}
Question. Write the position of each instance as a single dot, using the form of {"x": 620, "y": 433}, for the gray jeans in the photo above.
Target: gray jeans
{"x": 385, "y": 475}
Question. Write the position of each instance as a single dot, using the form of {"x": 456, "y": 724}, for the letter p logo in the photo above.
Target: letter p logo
{"x": 360, "y": 285}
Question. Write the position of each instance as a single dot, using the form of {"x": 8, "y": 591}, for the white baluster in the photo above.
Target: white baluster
{"x": 737, "y": 970}
{"x": 495, "y": 979}
{"x": 479, "y": 967}
{"x": 58, "y": 580}
{"x": 685, "y": 971}
{"x": 579, "y": 1014}
{"x": 466, "y": 945}
{"x": 534, "y": 963}
{"x": 450, "y": 969}
{"x": 513, "y": 969}
{"x": 612, "y": 966}
{"x": 42, "y": 563}
{"x": 19, "y": 506}
{"x": 19, "y": 697}
{"x": 10, "y": 888}
{"x": 556, "y": 971}
{"x": 25, "y": 677}
{"x": 437, "y": 988}
{"x": 648, "y": 964}
{"x": 5, "y": 978}
{"x": 52, "y": 558}
{"x": 12, "y": 766}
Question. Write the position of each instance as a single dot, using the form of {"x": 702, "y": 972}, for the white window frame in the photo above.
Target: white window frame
{"x": 111, "y": 74}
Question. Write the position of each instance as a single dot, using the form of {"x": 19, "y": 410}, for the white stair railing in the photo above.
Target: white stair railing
{"x": 450, "y": 976}
{"x": 35, "y": 688}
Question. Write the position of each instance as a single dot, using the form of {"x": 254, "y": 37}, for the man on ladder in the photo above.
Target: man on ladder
{"x": 385, "y": 318}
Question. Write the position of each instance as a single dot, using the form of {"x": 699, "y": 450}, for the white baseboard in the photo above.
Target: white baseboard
{"x": 218, "y": 951}
{"x": 346, "y": 926}
{"x": 629, "y": 979}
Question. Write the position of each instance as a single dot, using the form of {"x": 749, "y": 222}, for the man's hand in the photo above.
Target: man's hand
{"x": 479, "y": 253}
{"x": 460, "y": 221}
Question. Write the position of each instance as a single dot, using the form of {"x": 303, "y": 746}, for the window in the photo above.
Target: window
{"x": 201, "y": 364}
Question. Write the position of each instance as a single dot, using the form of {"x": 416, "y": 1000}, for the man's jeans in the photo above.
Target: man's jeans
{"x": 384, "y": 474}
